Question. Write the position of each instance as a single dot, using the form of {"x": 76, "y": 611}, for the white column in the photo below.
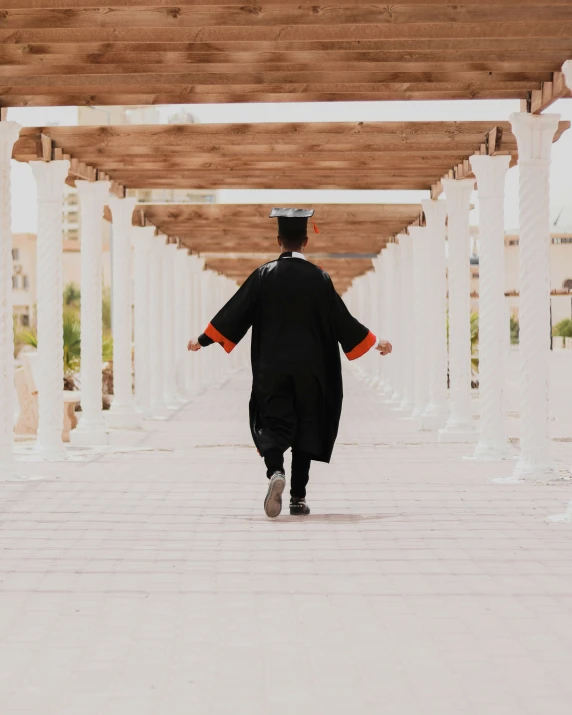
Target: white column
{"x": 436, "y": 292}
{"x": 459, "y": 427}
{"x": 8, "y": 136}
{"x": 534, "y": 135}
{"x": 206, "y": 315}
{"x": 379, "y": 327}
{"x": 357, "y": 298}
{"x": 491, "y": 175}
{"x": 567, "y": 516}
{"x": 420, "y": 245}
{"x": 156, "y": 338}
{"x": 398, "y": 328}
{"x": 50, "y": 177}
{"x": 371, "y": 322}
{"x": 199, "y": 324}
{"x": 194, "y": 328}
{"x": 122, "y": 413}
{"x": 389, "y": 360}
{"x": 91, "y": 429}
{"x": 182, "y": 309}
{"x": 169, "y": 383}
{"x": 142, "y": 238}
{"x": 9, "y": 132}
{"x": 407, "y": 348}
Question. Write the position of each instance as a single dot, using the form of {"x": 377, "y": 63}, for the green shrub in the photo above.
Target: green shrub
{"x": 514, "y": 330}
{"x": 563, "y": 328}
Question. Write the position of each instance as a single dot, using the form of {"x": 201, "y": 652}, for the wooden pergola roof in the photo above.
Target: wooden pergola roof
{"x": 341, "y": 270}
{"x": 88, "y": 52}
{"x": 344, "y": 228}
{"x": 336, "y": 155}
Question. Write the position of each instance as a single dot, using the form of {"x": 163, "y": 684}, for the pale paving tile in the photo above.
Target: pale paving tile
{"x": 151, "y": 583}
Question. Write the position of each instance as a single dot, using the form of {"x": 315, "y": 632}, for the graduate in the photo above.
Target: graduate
{"x": 298, "y": 321}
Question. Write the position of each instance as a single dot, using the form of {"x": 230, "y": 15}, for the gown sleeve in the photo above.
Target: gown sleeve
{"x": 354, "y": 337}
{"x": 233, "y": 320}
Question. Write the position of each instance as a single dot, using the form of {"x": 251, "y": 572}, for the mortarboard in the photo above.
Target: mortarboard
{"x": 293, "y": 222}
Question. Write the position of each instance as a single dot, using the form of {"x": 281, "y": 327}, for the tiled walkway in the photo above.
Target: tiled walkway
{"x": 151, "y": 583}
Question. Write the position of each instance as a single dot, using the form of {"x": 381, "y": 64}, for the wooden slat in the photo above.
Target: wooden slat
{"x": 66, "y": 4}
{"x": 279, "y": 15}
{"x": 393, "y": 155}
{"x": 550, "y": 91}
{"x": 147, "y": 52}
{"x": 81, "y": 99}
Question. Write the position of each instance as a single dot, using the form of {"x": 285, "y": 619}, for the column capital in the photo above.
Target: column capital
{"x": 198, "y": 263}
{"x": 458, "y": 193}
{"x": 94, "y": 190}
{"x": 122, "y": 210}
{"x": 491, "y": 174}
{"x": 534, "y": 135}
{"x": 157, "y": 247}
{"x": 567, "y": 70}
{"x": 50, "y": 177}
{"x": 418, "y": 232}
{"x": 435, "y": 213}
{"x": 142, "y": 237}
{"x": 9, "y": 132}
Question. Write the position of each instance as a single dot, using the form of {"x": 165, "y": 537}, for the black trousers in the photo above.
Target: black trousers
{"x": 274, "y": 460}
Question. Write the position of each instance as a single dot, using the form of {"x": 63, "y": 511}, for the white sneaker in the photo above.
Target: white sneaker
{"x": 273, "y": 501}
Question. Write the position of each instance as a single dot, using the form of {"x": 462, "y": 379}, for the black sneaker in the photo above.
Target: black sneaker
{"x": 273, "y": 501}
{"x": 298, "y": 507}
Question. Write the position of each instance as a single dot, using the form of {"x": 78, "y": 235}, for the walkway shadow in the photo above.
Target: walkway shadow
{"x": 327, "y": 518}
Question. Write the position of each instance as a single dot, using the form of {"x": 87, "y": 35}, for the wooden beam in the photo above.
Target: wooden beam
{"x": 44, "y": 148}
{"x": 541, "y": 99}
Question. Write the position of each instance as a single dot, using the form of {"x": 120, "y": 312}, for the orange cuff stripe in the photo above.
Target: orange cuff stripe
{"x": 366, "y": 344}
{"x": 214, "y": 334}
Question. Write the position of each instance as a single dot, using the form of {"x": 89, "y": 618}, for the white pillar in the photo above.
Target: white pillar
{"x": 206, "y": 315}
{"x": 122, "y": 413}
{"x": 370, "y": 316}
{"x": 195, "y": 327}
{"x": 491, "y": 174}
{"x": 407, "y": 348}
{"x": 50, "y": 177}
{"x": 389, "y": 360}
{"x": 169, "y": 383}
{"x": 182, "y": 309}
{"x": 420, "y": 245}
{"x": 199, "y": 324}
{"x": 436, "y": 293}
{"x": 156, "y": 338}
{"x": 142, "y": 238}
{"x": 9, "y": 132}
{"x": 379, "y": 327}
{"x": 534, "y": 135}
{"x": 91, "y": 429}
{"x": 459, "y": 427}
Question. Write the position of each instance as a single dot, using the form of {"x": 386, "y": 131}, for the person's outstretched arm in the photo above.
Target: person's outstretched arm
{"x": 356, "y": 340}
{"x": 233, "y": 320}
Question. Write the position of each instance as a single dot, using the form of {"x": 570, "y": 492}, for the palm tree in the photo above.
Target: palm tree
{"x": 71, "y": 339}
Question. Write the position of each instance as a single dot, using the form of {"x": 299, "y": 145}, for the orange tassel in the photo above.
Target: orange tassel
{"x": 316, "y": 229}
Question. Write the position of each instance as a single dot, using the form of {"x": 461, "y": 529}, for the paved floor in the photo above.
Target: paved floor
{"x": 150, "y": 582}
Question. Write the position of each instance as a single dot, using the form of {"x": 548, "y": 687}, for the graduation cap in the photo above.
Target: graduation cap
{"x": 293, "y": 222}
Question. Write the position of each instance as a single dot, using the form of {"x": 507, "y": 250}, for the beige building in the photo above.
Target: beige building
{"x": 24, "y": 276}
{"x": 560, "y": 269}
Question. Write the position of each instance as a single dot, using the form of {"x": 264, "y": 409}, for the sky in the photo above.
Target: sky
{"x": 24, "y": 208}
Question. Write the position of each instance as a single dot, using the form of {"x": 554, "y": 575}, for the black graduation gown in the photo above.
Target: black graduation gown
{"x": 297, "y": 321}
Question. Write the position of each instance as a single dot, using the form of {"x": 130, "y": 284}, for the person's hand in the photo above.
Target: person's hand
{"x": 384, "y": 347}
{"x": 193, "y": 345}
